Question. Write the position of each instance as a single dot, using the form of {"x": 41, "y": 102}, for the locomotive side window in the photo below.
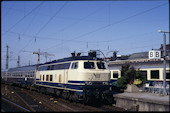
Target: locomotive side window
{"x": 154, "y": 74}
{"x": 45, "y": 67}
{"x": 89, "y": 65}
{"x": 50, "y": 67}
{"x": 43, "y": 77}
{"x": 59, "y": 66}
{"x": 40, "y": 77}
{"x": 66, "y": 66}
{"x": 47, "y": 77}
{"x": 101, "y": 65}
{"x": 51, "y": 77}
{"x": 74, "y": 65}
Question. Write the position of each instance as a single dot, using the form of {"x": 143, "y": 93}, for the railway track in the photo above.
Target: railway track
{"x": 38, "y": 102}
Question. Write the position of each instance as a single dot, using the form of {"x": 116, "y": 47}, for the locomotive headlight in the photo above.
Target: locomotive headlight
{"x": 105, "y": 83}
{"x": 88, "y": 83}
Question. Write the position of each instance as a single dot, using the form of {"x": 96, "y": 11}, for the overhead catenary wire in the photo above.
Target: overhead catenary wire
{"x": 111, "y": 24}
{"x": 34, "y": 16}
{"x": 72, "y": 40}
{"x": 81, "y": 19}
{"x": 23, "y": 17}
{"x": 51, "y": 18}
{"x": 44, "y": 26}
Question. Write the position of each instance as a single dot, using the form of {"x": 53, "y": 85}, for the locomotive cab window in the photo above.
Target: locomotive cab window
{"x": 43, "y": 77}
{"x": 47, "y": 77}
{"x": 101, "y": 65}
{"x": 89, "y": 65}
{"x": 74, "y": 65}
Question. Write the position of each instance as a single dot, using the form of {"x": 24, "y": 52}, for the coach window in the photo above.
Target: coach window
{"x": 143, "y": 74}
{"x": 115, "y": 74}
{"x": 51, "y": 77}
{"x": 167, "y": 74}
{"x": 154, "y": 74}
{"x": 74, "y": 65}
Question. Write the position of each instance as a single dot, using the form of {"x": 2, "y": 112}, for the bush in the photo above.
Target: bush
{"x": 122, "y": 82}
{"x": 129, "y": 75}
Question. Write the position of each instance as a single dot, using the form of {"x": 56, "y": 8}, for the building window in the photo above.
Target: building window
{"x": 154, "y": 74}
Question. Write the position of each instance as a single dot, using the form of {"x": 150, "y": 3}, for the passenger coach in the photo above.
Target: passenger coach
{"x": 152, "y": 71}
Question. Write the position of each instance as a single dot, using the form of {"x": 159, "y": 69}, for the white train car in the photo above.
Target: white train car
{"x": 76, "y": 78}
{"x": 20, "y": 75}
{"x": 153, "y": 71}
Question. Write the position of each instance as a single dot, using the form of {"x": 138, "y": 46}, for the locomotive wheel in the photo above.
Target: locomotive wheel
{"x": 65, "y": 95}
{"x": 58, "y": 93}
{"x": 86, "y": 99}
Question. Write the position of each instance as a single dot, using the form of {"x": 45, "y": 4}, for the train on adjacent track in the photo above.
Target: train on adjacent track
{"x": 77, "y": 78}
{"x": 152, "y": 71}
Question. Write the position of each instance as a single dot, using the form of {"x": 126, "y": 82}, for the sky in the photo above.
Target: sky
{"x": 62, "y": 27}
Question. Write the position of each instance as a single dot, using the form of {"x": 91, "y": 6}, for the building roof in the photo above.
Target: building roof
{"x": 140, "y": 65}
{"x": 141, "y": 55}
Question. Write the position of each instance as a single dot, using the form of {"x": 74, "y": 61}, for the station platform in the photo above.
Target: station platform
{"x": 142, "y": 101}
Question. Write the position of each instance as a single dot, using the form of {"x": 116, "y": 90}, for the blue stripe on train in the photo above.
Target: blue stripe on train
{"x": 150, "y": 82}
{"x": 76, "y": 81}
{"x": 112, "y": 80}
{"x": 69, "y": 86}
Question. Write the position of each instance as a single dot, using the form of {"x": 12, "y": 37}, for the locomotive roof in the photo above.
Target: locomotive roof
{"x": 33, "y": 67}
{"x": 74, "y": 59}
